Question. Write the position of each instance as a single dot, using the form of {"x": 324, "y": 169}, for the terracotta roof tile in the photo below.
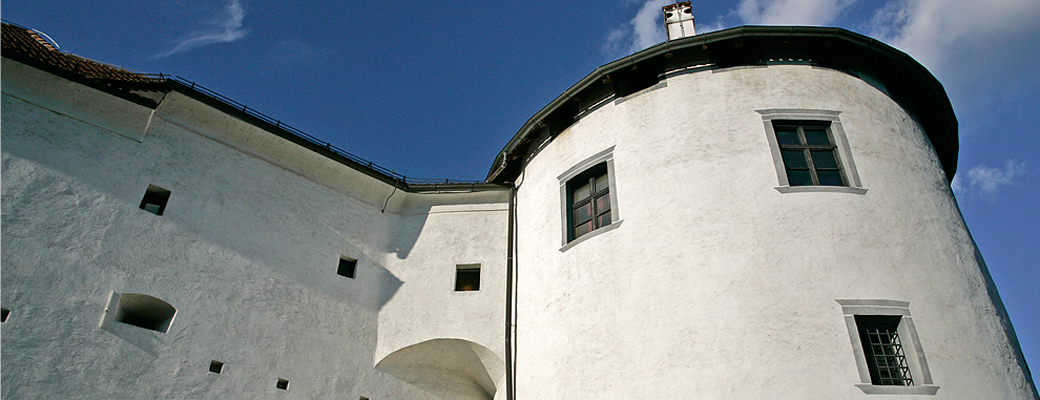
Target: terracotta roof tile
{"x": 26, "y": 47}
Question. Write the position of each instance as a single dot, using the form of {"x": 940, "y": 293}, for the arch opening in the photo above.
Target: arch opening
{"x": 448, "y": 368}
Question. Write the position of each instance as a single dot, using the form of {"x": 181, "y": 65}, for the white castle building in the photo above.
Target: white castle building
{"x": 752, "y": 213}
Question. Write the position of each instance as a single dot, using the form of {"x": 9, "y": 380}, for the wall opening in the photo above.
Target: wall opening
{"x": 282, "y": 384}
{"x": 467, "y": 278}
{"x": 3, "y": 314}
{"x": 347, "y": 267}
{"x": 145, "y": 311}
{"x": 155, "y": 199}
{"x": 216, "y": 367}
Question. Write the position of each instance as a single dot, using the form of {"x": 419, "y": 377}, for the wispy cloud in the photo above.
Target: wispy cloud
{"x": 987, "y": 181}
{"x": 984, "y": 52}
{"x": 792, "y": 12}
{"x": 225, "y": 27}
{"x": 644, "y": 30}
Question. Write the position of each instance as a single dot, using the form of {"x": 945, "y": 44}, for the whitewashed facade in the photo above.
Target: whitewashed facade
{"x": 717, "y": 276}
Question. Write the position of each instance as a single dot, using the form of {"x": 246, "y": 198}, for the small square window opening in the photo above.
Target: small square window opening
{"x": 3, "y": 314}
{"x": 155, "y": 199}
{"x": 282, "y": 384}
{"x": 347, "y": 267}
{"x": 216, "y": 366}
{"x": 467, "y": 278}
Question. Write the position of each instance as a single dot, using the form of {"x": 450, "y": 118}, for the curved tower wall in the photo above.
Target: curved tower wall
{"x": 713, "y": 282}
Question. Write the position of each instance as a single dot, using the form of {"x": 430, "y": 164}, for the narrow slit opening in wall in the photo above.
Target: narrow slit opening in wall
{"x": 347, "y": 267}
{"x": 155, "y": 199}
{"x": 467, "y": 278}
{"x": 282, "y": 384}
{"x": 216, "y": 367}
{"x": 363, "y": 398}
{"x": 3, "y": 314}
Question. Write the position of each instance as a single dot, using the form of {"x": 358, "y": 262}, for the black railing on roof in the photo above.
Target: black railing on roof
{"x": 278, "y": 124}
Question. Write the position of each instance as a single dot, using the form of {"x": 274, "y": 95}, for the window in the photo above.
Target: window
{"x": 216, "y": 367}
{"x": 588, "y": 198}
{"x": 467, "y": 278}
{"x": 886, "y": 348}
{"x": 155, "y": 199}
{"x": 347, "y": 267}
{"x": 810, "y": 151}
{"x": 282, "y": 384}
{"x": 879, "y": 335}
{"x": 144, "y": 311}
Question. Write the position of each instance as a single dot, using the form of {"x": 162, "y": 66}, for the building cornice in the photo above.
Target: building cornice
{"x": 905, "y": 80}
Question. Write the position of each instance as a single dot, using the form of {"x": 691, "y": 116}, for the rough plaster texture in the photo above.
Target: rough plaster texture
{"x": 246, "y": 251}
{"x": 716, "y": 286}
{"x": 719, "y": 286}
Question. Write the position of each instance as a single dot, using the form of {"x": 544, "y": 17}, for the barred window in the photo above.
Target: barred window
{"x": 886, "y": 347}
{"x": 883, "y": 350}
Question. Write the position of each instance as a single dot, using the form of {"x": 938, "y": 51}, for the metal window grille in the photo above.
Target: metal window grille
{"x": 884, "y": 351}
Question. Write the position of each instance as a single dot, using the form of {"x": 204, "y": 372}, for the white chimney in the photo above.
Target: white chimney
{"x": 678, "y": 20}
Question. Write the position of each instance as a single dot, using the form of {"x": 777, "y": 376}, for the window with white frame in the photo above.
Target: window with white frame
{"x": 810, "y": 151}
{"x": 588, "y": 199}
{"x": 886, "y": 347}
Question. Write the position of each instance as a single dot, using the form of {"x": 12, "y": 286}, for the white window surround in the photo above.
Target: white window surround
{"x": 911, "y": 346}
{"x": 837, "y": 133}
{"x": 605, "y": 156}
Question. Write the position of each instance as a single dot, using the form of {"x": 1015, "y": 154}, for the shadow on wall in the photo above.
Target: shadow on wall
{"x": 388, "y": 286}
{"x": 448, "y": 368}
{"x": 406, "y": 230}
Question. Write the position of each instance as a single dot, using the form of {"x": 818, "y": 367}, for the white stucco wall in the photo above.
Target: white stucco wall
{"x": 716, "y": 285}
{"x": 246, "y": 250}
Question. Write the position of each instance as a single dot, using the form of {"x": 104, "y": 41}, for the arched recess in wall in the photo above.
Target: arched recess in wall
{"x": 144, "y": 311}
{"x": 448, "y": 368}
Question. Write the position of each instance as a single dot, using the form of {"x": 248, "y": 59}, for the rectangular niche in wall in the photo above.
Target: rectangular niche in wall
{"x": 282, "y": 384}
{"x": 216, "y": 367}
{"x": 3, "y": 314}
{"x": 347, "y": 267}
{"x": 467, "y": 277}
{"x": 155, "y": 199}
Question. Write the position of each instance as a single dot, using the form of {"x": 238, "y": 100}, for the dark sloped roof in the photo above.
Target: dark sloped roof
{"x": 904, "y": 80}
{"x": 27, "y": 47}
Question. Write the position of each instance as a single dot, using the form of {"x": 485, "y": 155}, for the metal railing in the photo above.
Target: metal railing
{"x": 278, "y": 124}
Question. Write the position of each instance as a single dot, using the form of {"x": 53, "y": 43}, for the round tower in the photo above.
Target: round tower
{"x": 759, "y": 212}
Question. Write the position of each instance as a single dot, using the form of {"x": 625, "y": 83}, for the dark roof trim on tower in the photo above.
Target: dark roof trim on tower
{"x": 904, "y": 79}
{"x": 25, "y": 46}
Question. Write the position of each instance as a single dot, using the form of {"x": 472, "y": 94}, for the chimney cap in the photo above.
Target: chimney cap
{"x": 678, "y": 20}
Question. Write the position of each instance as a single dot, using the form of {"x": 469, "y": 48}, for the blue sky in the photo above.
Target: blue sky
{"x": 437, "y": 89}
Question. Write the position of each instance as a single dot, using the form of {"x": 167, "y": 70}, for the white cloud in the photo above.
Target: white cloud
{"x": 223, "y": 28}
{"x": 987, "y": 181}
{"x": 984, "y": 52}
{"x": 644, "y": 30}
{"x": 792, "y": 12}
